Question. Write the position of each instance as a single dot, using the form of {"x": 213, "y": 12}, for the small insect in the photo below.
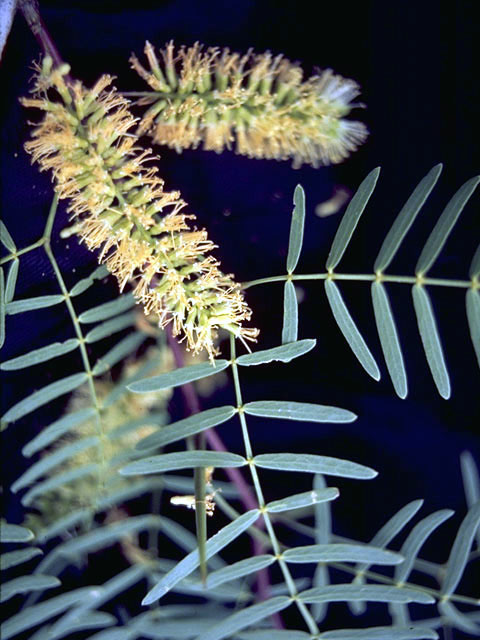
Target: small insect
{"x": 190, "y": 502}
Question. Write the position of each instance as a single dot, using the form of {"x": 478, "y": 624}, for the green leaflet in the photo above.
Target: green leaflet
{"x": 323, "y": 530}
{"x": 471, "y": 480}
{"x": 85, "y": 283}
{"x": 298, "y": 411}
{"x": 245, "y": 618}
{"x": 460, "y": 550}
{"x": 387, "y": 332}
{"x": 14, "y": 533}
{"x": 6, "y": 239}
{"x": 382, "y": 633}
{"x": 24, "y": 584}
{"x": 405, "y": 219}
{"x": 279, "y": 634}
{"x": 38, "y": 356}
{"x": 121, "y": 350}
{"x": 31, "y": 304}
{"x": 458, "y": 619}
{"x": 371, "y": 593}
{"x": 415, "y": 539}
{"x": 110, "y": 327}
{"x": 384, "y": 535}
{"x": 45, "y": 464}
{"x": 57, "y": 481}
{"x": 296, "y": 229}
{"x": 188, "y": 564}
{"x": 63, "y": 524}
{"x": 471, "y": 483}
{"x": 290, "y": 314}
{"x": 283, "y": 353}
{"x": 49, "y": 434}
{"x": 108, "y": 309}
{"x": 305, "y": 499}
{"x": 2, "y": 307}
{"x": 183, "y": 460}
{"x": 239, "y": 570}
{"x": 106, "y": 535}
{"x": 178, "y": 377}
{"x": 314, "y": 464}
{"x": 13, "y": 558}
{"x": 445, "y": 224}
{"x": 427, "y": 327}
{"x": 350, "y": 331}
{"x": 474, "y": 270}
{"x": 187, "y": 427}
{"x": 350, "y": 219}
{"x": 11, "y": 280}
{"x": 89, "y": 620}
{"x": 473, "y": 316}
{"x": 340, "y": 552}
{"x": 36, "y": 614}
{"x": 43, "y": 396}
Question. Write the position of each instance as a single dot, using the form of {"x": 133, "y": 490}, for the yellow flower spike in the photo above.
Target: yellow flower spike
{"x": 122, "y": 210}
{"x": 257, "y": 102}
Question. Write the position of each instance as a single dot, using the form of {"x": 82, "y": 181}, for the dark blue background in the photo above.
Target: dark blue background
{"x": 415, "y": 62}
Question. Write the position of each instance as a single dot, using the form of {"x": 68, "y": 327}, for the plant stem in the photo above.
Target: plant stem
{"x": 31, "y": 13}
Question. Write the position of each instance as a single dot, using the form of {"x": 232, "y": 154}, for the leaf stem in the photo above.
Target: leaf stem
{"x": 81, "y": 339}
{"x": 309, "y": 621}
{"x": 365, "y": 277}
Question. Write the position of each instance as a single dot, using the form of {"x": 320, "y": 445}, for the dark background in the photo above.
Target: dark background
{"x": 415, "y": 62}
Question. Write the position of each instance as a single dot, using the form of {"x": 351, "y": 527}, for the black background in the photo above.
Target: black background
{"x": 415, "y": 62}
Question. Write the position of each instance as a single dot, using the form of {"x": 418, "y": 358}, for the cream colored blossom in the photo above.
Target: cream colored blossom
{"x": 121, "y": 209}
{"x": 257, "y": 104}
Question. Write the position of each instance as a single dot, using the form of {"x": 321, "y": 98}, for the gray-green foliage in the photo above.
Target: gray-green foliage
{"x": 90, "y": 449}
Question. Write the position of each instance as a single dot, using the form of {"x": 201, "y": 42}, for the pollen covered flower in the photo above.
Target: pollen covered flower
{"x": 256, "y": 103}
{"x": 120, "y": 207}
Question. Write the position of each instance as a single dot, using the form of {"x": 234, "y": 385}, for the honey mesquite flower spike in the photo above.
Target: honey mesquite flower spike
{"x": 257, "y": 102}
{"x": 120, "y": 207}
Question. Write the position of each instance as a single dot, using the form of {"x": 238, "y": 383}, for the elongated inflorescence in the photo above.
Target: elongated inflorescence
{"x": 256, "y": 103}
{"x": 121, "y": 208}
